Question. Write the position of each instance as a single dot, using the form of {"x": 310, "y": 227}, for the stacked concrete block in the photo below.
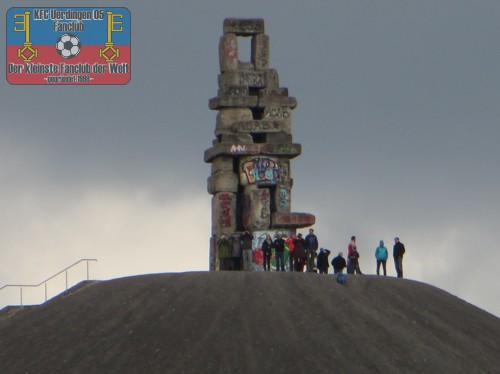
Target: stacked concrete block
{"x": 251, "y": 181}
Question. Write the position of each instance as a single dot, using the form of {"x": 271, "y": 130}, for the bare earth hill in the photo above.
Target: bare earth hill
{"x": 249, "y": 322}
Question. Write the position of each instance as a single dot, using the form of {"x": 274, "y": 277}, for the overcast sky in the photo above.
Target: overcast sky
{"x": 398, "y": 116}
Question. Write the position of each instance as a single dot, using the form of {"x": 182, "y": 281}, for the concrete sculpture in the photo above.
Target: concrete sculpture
{"x": 251, "y": 180}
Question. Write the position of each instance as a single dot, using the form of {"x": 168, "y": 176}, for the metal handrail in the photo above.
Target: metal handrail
{"x": 21, "y": 286}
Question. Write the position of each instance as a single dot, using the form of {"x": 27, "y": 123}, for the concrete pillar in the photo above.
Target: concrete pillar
{"x": 250, "y": 176}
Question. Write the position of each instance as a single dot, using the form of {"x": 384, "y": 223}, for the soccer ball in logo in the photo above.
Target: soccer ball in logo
{"x": 68, "y": 46}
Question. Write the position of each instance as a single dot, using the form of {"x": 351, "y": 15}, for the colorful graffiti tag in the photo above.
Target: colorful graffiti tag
{"x": 261, "y": 169}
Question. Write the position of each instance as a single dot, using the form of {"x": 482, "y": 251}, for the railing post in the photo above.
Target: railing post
{"x": 45, "y": 282}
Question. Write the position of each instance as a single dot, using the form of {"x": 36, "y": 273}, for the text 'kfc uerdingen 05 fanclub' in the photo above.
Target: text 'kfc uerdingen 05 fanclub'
{"x": 68, "y": 46}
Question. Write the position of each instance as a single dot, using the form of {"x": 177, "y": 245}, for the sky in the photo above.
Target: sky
{"x": 398, "y": 116}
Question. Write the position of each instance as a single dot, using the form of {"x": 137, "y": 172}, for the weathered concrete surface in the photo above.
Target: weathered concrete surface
{"x": 232, "y": 102}
{"x": 289, "y": 150}
{"x": 283, "y": 219}
{"x": 260, "y": 51}
{"x": 260, "y": 126}
{"x": 251, "y": 322}
{"x": 243, "y": 27}
{"x": 228, "y": 52}
{"x": 223, "y": 212}
{"x": 254, "y": 79}
{"x": 226, "y": 117}
{"x": 223, "y": 181}
{"x": 256, "y": 214}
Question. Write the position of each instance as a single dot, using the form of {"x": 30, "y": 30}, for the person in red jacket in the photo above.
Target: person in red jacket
{"x": 291, "y": 258}
{"x": 353, "y": 257}
{"x": 299, "y": 252}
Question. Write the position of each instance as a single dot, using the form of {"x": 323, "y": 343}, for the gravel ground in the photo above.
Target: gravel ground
{"x": 250, "y": 322}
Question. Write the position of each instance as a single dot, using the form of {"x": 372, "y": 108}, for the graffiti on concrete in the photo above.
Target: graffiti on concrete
{"x": 261, "y": 169}
{"x": 256, "y": 208}
{"x": 284, "y": 198}
{"x": 293, "y": 219}
{"x": 238, "y": 148}
{"x": 251, "y": 79}
{"x": 258, "y": 257}
{"x": 225, "y": 210}
{"x": 256, "y": 126}
{"x": 265, "y": 211}
{"x": 284, "y": 171}
{"x": 276, "y": 113}
{"x": 246, "y": 203}
{"x": 290, "y": 150}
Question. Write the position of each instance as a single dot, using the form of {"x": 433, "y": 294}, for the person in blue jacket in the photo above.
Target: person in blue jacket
{"x": 381, "y": 255}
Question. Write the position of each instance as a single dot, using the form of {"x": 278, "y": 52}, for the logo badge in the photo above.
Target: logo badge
{"x": 68, "y": 46}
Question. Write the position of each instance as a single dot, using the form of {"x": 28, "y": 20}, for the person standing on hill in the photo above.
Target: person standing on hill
{"x": 267, "y": 246}
{"x": 350, "y": 247}
{"x": 291, "y": 247}
{"x": 353, "y": 257}
{"x": 279, "y": 249}
{"x": 246, "y": 245}
{"x": 236, "y": 251}
{"x": 381, "y": 255}
{"x": 353, "y": 265}
{"x": 339, "y": 263}
{"x": 311, "y": 248}
{"x": 322, "y": 263}
{"x": 224, "y": 248}
{"x": 398, "y": 253}
{"x": 299, "y": 252}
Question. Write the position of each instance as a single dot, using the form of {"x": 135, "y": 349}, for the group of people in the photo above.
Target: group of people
{"x": 381, "y": 255}
{"x": 302, "y": 254}
{"x": 235, "y": 252}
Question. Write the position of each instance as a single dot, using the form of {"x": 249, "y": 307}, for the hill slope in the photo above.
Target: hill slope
{"x": 238, "y": 322}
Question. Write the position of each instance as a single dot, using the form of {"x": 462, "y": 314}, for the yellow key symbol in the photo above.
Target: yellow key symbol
{"x": 110, "y": 52}
{"x": 27, "y": 53}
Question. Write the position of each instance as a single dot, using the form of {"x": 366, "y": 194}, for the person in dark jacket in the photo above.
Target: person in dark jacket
{"x": 398, "y": 253}
{"x": 246, "y": 244}
{"x": 224, "y": 247}
{"x": 267, "y": 246}
{"x": 235, "y": 252}
{"x": 322, "y": 262}
{"x": 339, "y": 263}
{"x": 279, "y": 250}
{"x": 299, "y": 252}
{"x": 353, "y": 257}
{"x": 311, "y": 249}
{"x": 353, "y": 266}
